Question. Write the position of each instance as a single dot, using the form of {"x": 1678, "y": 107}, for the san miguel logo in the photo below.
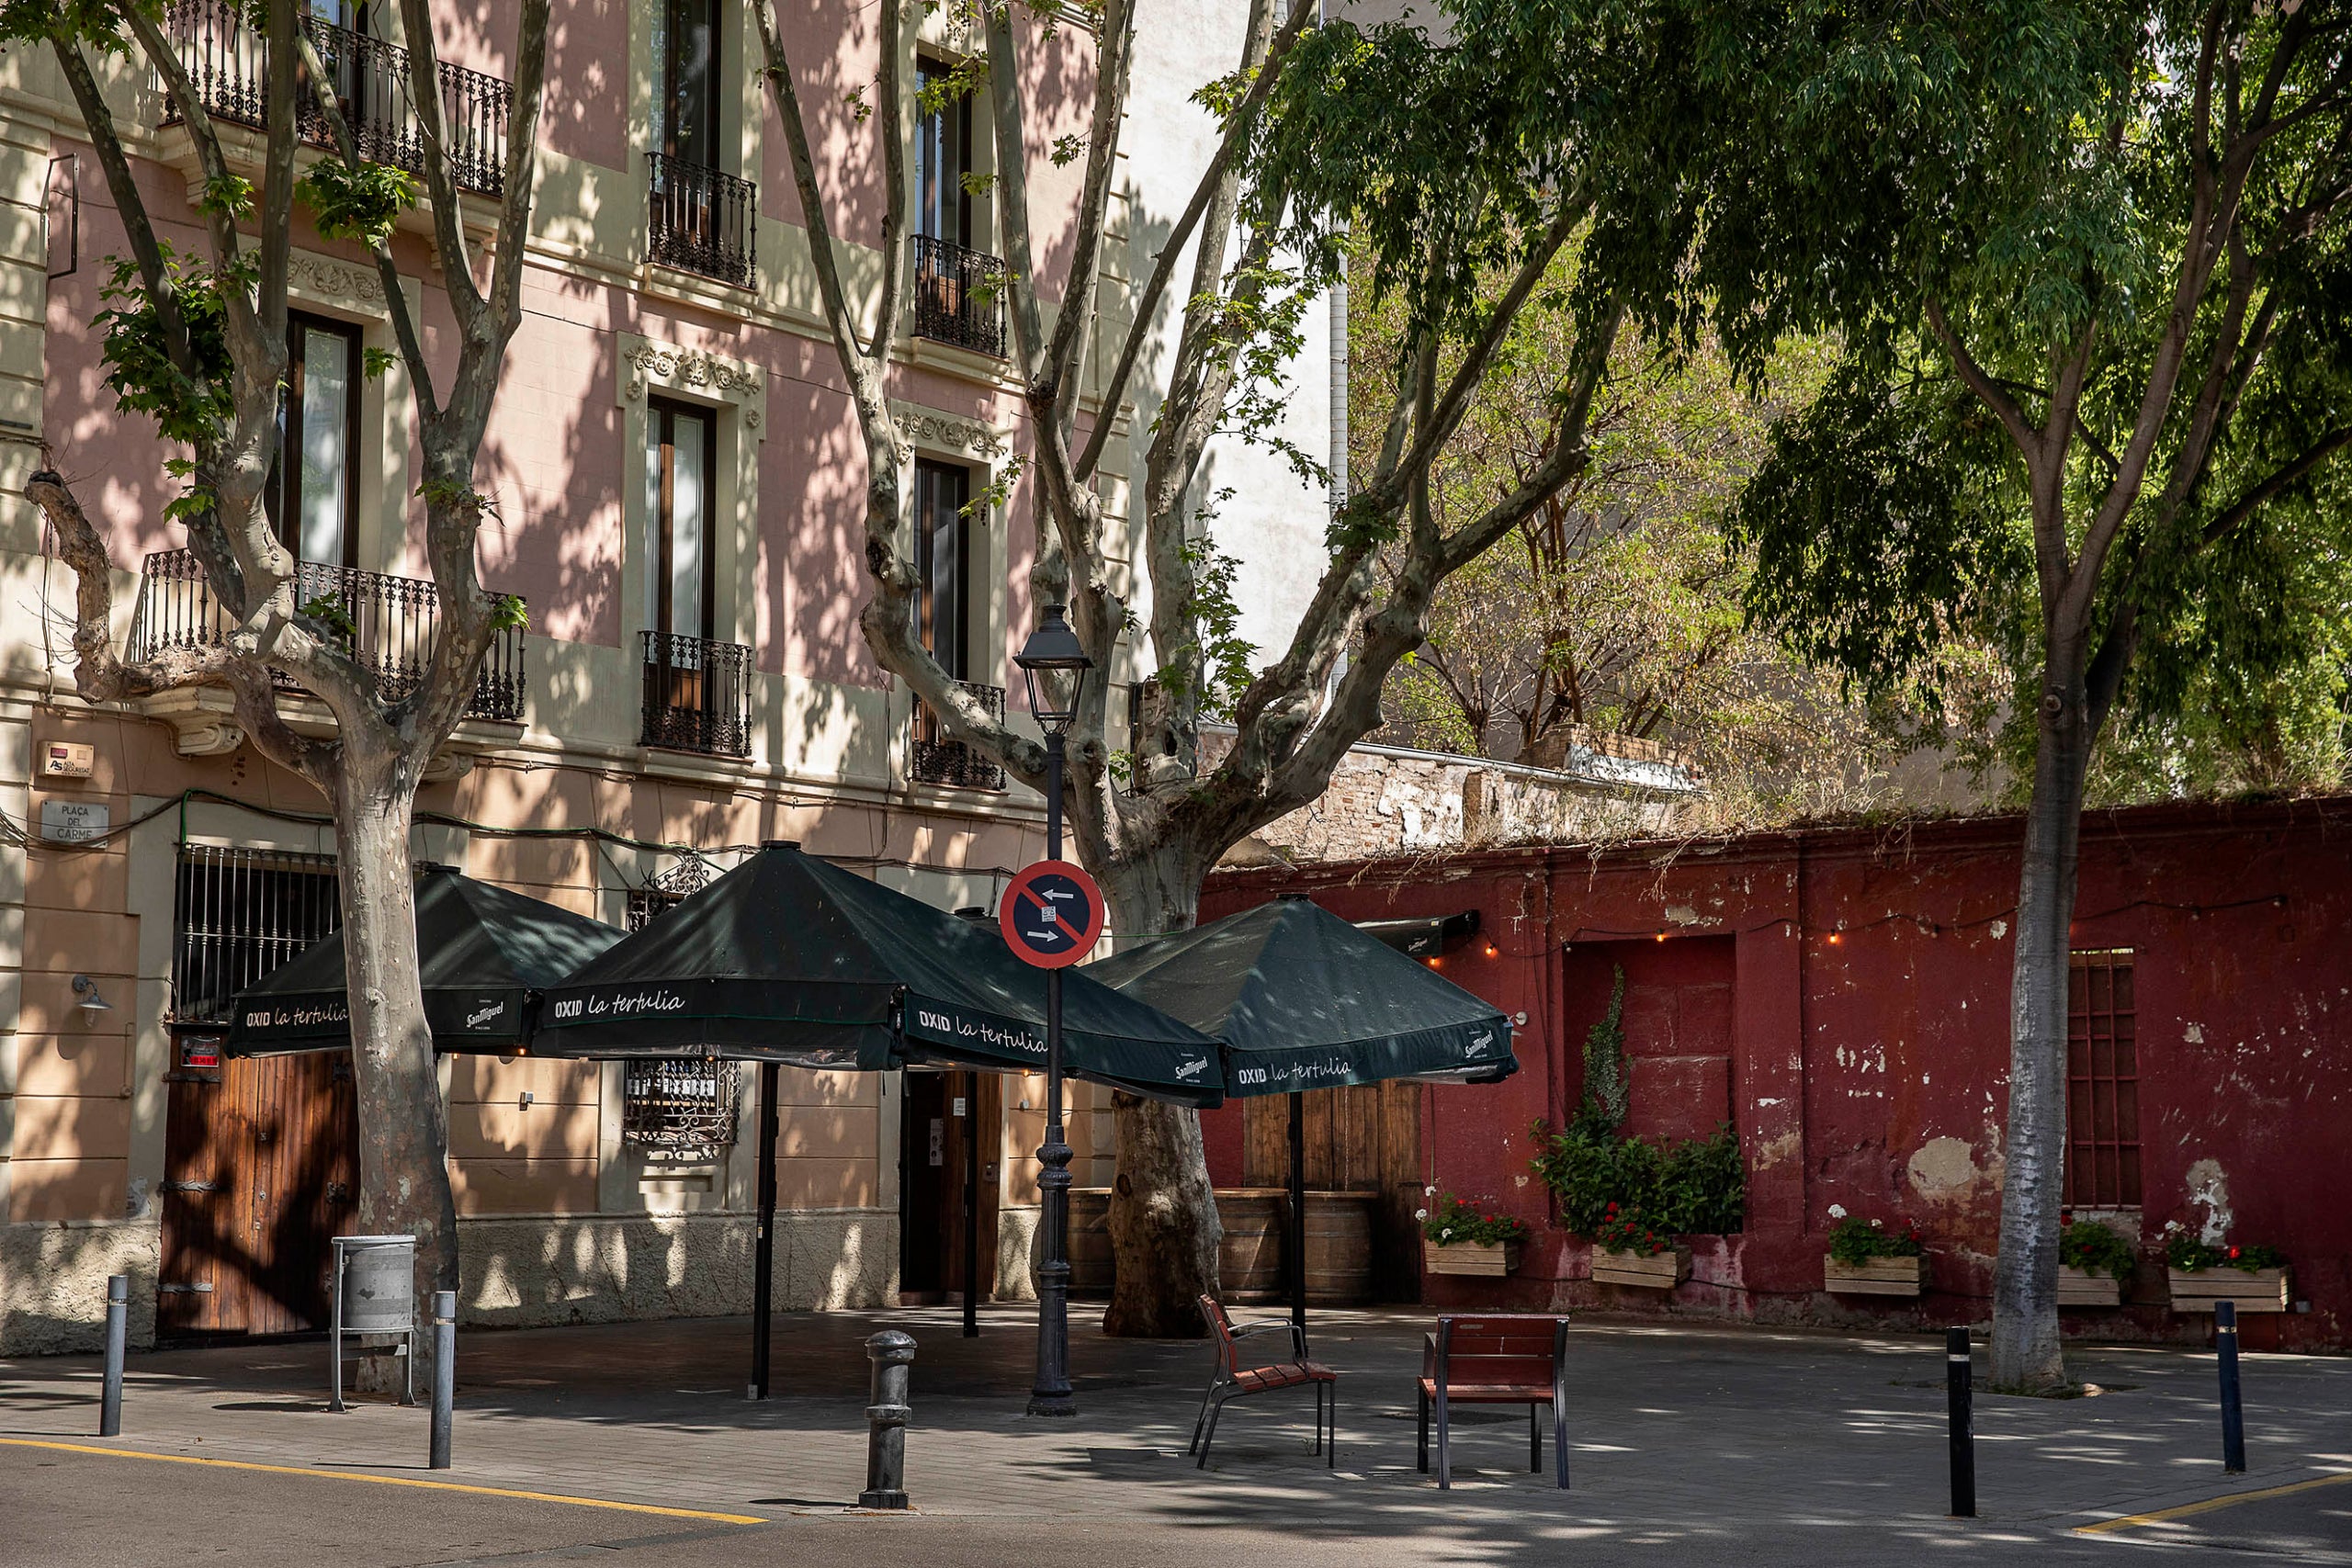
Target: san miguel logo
{"x": 481, "y": 1016}
{"x": 1192, "y": 1070}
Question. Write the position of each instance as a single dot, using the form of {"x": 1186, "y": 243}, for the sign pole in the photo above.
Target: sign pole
{"x": 1051, "y": 1393}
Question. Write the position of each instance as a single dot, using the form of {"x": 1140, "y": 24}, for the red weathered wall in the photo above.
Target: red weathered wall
{"x": 1841, "y": 998}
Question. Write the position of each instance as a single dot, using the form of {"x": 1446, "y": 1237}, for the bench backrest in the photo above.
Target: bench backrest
{"x": 1516, "y": 1350}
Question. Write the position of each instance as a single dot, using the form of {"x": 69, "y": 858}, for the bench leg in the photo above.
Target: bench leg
{"x": 1425, "y": 1432}
{"x": 1444, "y": 1446}
{"x": 1534, "y": 1440}
{"x": 1560, "y": 1444}
{"x": 1217, "y": 1408}
{"x": 1203, "y": 1420}
{"x": 1319, "y": 1417}
{"x": 1331, "y": 1428}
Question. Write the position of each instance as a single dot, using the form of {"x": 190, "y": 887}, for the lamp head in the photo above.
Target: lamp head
{"x": 92, "y": 1004}
{"x": 1054, "y": 665}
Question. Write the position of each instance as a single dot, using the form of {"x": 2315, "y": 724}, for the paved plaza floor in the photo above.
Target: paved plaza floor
{"x": 1688, "y": 1444}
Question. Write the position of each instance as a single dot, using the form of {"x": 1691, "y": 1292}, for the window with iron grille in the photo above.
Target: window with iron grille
{"x": 679, "y": 1106}
{"x": 237, "y": 914}
{"x": 2102, "y": 1082}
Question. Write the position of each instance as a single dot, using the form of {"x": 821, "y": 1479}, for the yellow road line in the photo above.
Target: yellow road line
{"x": 393, "y": 1481}
{"x": 2132, "y": 1521}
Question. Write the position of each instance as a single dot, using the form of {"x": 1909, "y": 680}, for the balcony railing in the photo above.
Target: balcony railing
{"x": 937, "y": 759}
{"x": 697, "y": 695}
{"x": 955, "y": 296}
{"x": 388, "y": 623}
{"x": 228, "y": 61}
{"x": 702, "y": 220}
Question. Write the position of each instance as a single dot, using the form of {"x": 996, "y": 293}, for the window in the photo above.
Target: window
{"x": 237, "y": 915}
{"x": 942, "y": 157}
{"x": 314, "y": 499}
{"x": 680, "y": 457}
{"x": 686, "y": 45}
{"x": 2102, "y": 1082}
{"x": 944, "y": 563}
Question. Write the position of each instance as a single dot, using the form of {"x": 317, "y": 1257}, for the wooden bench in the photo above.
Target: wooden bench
{"x": 1234, "y": 1380}
{"x": 1496, "y": 1361}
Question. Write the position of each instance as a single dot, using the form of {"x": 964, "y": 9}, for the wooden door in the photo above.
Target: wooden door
{"x": 1365, "y": 1138}
{"x": 261, "y": 1170}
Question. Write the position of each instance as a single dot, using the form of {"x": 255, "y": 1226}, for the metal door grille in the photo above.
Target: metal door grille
{"x": 2102, "y": 1082}
{"x": 237, "y": 915}
{"x": 681, "y": 1106}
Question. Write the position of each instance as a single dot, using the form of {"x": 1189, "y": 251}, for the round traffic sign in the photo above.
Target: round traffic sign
{"x": 1052, "y": 915}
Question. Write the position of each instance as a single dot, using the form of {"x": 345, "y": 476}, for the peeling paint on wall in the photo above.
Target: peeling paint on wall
{"x": 1944, "y": 1170}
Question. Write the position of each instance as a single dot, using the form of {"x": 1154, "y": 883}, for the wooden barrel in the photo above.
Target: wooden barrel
{"x": 1249, "y": 1263}
{"x": 1091, "y": 1263}
{"x": 1338, "y": 1248}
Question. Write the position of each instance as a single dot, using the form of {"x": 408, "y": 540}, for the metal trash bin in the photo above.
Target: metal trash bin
{"x": 375, "y": 1295}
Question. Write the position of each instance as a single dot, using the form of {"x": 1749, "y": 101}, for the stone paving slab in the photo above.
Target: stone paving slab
{"x": 1700, "y": 1436}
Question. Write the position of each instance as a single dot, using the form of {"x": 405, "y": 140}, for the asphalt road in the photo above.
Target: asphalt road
{"x": 59, "y": 1507}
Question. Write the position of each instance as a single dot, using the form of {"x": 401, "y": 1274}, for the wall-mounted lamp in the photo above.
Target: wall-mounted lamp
{"x": 91, "y": 1004}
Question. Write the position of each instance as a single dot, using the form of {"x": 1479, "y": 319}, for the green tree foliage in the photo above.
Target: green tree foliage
{"x": 2085, "y": 263}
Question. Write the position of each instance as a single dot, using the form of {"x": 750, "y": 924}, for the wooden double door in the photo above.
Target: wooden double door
{"x": 1363, "y": 1138}
{"x": 261, "y": 1172}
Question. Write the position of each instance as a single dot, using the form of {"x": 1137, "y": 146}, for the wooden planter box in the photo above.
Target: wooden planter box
{"x": 1874, "y": 1276}
{"x": 1642, "y": 1271}
{"x": 1481, "y": 1259}
{"x": 2081, "y": 1288}
{"x": 2263, "y": 1290}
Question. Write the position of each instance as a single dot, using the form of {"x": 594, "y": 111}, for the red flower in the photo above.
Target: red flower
{"x": 2064, "y": 1219}
{"x": 2233, "y": 1252}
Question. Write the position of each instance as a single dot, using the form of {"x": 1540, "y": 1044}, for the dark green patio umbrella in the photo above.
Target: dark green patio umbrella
{"x": 790, "y": 960}
{"x": 1299, "y": 999}
{"x": 483, "y": 953}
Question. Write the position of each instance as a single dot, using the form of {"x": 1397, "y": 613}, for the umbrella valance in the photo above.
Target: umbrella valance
{"x": 483, "y": 953}
{"x": 1302, "y": 1000}
{"x": 789, "y": 958}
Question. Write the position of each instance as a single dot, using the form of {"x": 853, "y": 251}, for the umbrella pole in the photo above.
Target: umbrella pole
{"x": 972, "y": 1205}
{"x": 1297, "y": 1248}
{"x": 763, "y": 1252}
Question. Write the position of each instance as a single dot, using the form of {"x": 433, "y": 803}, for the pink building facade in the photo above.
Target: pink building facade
{"x": 679, "y": 480}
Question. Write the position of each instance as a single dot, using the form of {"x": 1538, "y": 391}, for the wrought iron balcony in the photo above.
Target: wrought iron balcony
{"x": 228, "y": 61}
{"x": 937, "y": 759}
{"x": 697, "y": 695}
{"x": 702, "y": 221}
{"x": 388, "y": 623}
{"x": 955, "y": 296}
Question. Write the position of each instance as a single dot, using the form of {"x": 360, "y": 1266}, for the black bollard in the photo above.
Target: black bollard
{"x": 2225, "y": 1341}
{"x": 1960, "y": 1383}
{"x": 886, "y": 1420}
{"x": 445, "y": 1374}
{"x": 117, "y": 1335}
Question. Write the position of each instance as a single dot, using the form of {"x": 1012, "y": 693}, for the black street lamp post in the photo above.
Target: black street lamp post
{"x": 1054, "y": 665}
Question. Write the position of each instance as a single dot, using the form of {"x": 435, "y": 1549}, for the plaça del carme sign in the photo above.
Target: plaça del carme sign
{"x": 1052, "y": 915}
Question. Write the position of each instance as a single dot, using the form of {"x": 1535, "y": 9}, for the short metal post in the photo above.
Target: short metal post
{"x": 117, "y": 1335}
{"x": 445, "y": 1373}
{"x": 2225, "y": 1341}
{"x": 1960, "y": 1381}
{"x": 892, "y": 1354}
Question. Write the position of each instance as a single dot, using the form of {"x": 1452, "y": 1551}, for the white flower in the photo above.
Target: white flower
{"x": 1420, "y": 1214}
{"x": 1878, "y": 1224}
{"x": 1428, "y": 1192}
{"x": 1836, "y": 1210}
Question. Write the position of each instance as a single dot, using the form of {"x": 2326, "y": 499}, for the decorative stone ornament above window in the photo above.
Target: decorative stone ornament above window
{"x": 709, "y": 377}
{"x": 946, "y": 432}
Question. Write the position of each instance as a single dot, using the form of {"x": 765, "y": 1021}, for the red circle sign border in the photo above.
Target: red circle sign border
{"x": 1020, "y": 885}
